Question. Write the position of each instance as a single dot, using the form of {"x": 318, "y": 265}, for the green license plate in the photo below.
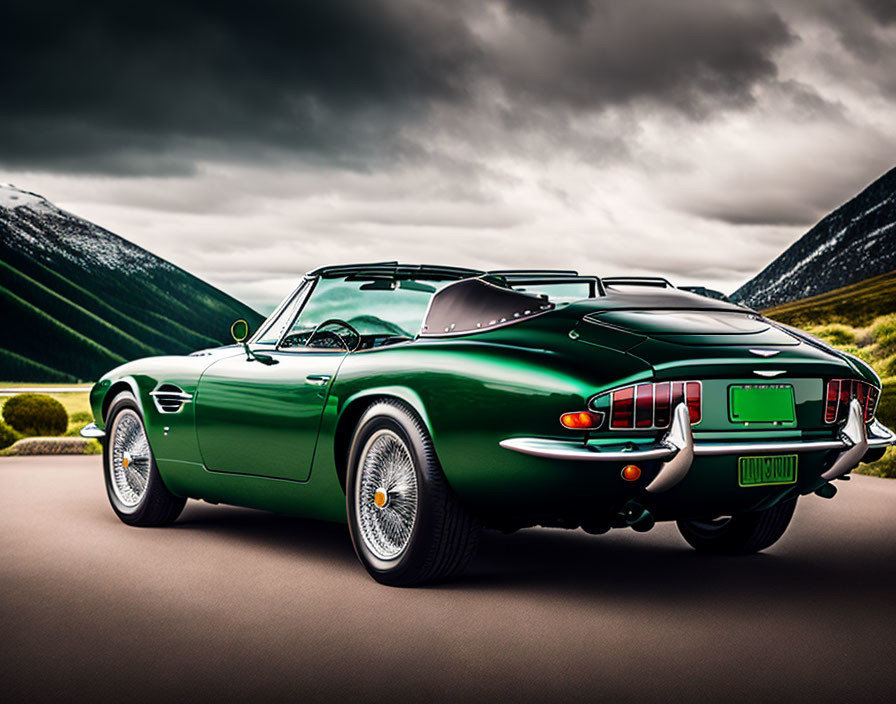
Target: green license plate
{"x": 765, "y": 471}
{"x": 762, "y": 403}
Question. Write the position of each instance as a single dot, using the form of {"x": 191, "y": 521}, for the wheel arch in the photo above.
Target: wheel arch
{"x": 124, "y": 384}
{"x": 354, "y": 408}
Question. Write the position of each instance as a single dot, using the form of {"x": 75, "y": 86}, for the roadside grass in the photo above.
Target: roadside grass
{"x": 860, "y": 320}
{"x": 884, "y": 467}
{"x": 856, "y": 305}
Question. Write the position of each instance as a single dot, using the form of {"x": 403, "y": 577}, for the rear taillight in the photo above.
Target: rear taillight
{"x": 581, "y": 420}
{"x": 840, "y": 392}
{"x": 649, "y": 406}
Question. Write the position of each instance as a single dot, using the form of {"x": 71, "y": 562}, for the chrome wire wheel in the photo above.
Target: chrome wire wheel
{"x": 386, "y": 495}
{"x": 129, "y": 458}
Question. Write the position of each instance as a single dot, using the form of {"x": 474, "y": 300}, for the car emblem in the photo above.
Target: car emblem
{"x": 769, "y": 372}
{"x": 765, "y": 353}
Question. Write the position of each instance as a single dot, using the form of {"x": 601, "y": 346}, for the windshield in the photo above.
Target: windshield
{"x": 473, "y": 304}
{"x": 374, "y": 307}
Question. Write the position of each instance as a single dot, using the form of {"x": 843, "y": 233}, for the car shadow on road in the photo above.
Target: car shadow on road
{"x": 641, "y": 568}
{"x": 576, "y": 565}
{"x": 277, "y": 532}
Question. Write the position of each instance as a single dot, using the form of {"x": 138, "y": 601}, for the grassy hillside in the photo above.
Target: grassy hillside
{"x": 856, "y": 305}
{"x": 79, "y": 300}
{"x": 859, "y": 319}
{"x": 17, "y": 368}
{"x": 56, "y": 346}
{"x": 74, "y": 316}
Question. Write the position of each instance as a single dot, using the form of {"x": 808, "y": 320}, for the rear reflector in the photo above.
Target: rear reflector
{"x": 840, "y": 392}
{"x": 631, "y": 472}
{"x": 648, "y": 406}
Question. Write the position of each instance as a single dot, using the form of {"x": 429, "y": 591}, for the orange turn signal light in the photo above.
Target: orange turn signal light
{"x": 581, "y": 420}
{"x": 631, "y": 472}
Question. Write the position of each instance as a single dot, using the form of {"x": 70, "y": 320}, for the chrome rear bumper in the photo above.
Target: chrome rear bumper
{"x": 678, "y": 449}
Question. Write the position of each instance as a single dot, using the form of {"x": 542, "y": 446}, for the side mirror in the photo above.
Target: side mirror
{"x": 240, "y": 333}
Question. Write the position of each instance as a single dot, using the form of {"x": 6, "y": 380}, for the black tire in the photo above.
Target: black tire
{"x": 444, "y": 535}
{"x": 157, "y": 506}
{"x": 745, "y": 534}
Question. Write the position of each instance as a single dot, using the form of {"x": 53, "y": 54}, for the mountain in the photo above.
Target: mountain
{"x": 855, "y": 242}
{"x": 78, "y": 300}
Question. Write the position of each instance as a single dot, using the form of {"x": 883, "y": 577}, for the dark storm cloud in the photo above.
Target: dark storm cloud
{"x": 96, "y": 80}
{"x": 562, "y": 15}
{"x": 882, "y": 10}
{"x": 694, "y": 56}
{"x": 862, "y": 29}
{"x": 117, "y": 87}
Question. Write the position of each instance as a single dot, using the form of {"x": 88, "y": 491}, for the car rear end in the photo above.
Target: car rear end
{"x": 732, "y": 414}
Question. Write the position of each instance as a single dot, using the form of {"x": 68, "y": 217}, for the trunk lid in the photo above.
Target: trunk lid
{"x": 697, "y": 327}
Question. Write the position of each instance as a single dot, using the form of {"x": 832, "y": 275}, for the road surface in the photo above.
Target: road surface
{"x": 237, "y": 604}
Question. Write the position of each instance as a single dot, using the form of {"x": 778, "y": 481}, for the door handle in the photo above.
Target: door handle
{"x": 318, "y": 379}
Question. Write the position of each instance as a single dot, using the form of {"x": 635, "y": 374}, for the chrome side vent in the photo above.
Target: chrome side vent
{"x": 170, "y": 398}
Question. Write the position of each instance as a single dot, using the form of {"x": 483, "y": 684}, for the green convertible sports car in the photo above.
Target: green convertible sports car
{"x": 421, "y": 403}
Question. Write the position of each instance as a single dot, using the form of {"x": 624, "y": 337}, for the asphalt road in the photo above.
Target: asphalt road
{"x": 239, "y": 604}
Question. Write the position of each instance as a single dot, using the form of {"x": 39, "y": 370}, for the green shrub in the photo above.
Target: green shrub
{"x": 884, "y": 325}
{"x": 884, "y": 467}
{"x": 836, "y": 334}
{"x": 888, "y": 366}
{"x": 886, "y": 344}
{"x": 883, "y": 334}
{"x": 7, "y": 435}
{"x": 76, "y": 421}
{"x": 36, "y": 414}
{"x": 886, "y": 408}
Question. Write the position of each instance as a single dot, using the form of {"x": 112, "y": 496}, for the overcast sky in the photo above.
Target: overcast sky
{"x": 251, "y": 141}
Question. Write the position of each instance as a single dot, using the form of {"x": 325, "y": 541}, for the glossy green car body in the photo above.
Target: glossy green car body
{"x": 274, "y": 433}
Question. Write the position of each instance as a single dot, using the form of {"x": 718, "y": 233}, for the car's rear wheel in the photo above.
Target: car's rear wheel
{"x": 133, "y": 483}
{"x": 407, "y": 526}
{"x": 744, "y": 534}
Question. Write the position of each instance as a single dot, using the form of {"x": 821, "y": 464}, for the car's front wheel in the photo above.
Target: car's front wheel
{"x": 133, "y": 483}
{"x": 744, "y": 534}
{"x": 407, "y": 526}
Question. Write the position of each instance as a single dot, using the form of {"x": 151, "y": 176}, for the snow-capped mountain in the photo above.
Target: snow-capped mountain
{"x": 853, "y": 243}
{"x": 46, "y": 232}
{"x": 78, "y": 299}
